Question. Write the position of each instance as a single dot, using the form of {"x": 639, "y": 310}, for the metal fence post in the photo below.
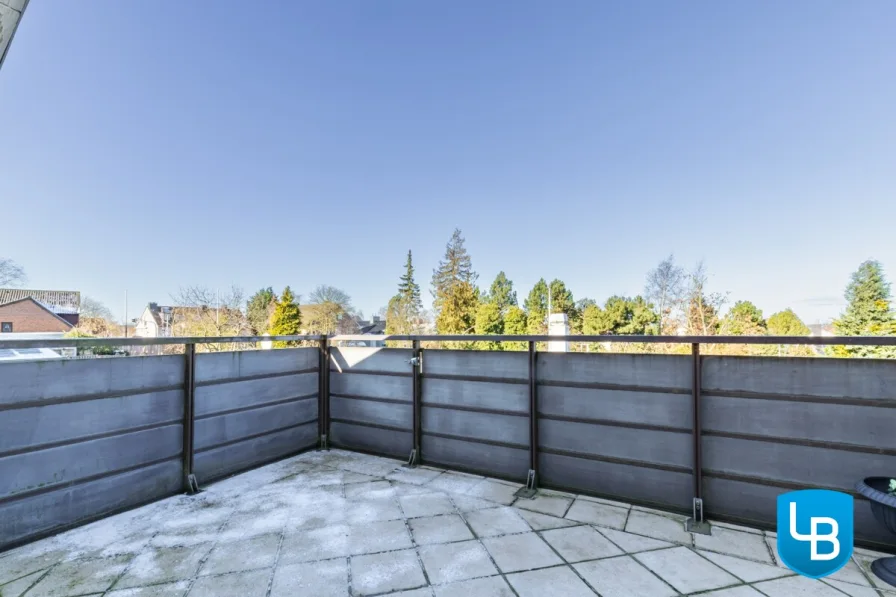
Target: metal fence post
{"x": 190, "y": 483}
{"x": 531, "y": 487}
{"x": 416, "y": 364}
{"x": 697, "y": 523}
{"x": 323, "y": 401}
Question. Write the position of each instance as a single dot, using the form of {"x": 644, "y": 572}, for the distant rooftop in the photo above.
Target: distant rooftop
{"x": 57, "y": 301}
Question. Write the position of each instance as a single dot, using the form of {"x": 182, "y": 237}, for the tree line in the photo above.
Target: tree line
{"x": 675, "y": 301}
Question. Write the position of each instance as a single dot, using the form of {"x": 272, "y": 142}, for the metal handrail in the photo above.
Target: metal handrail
{"x": 137, "y": 341}
{"x": 815, "y": 340}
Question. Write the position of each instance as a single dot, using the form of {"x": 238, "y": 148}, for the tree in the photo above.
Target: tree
{"x": 560, "y": 300}
{"x": 515, "y": 325}
{"x": 454, "y": 289}
{"x": 329, "y": 311}
{"x": 787, "y": 323}
{"x": 456, "y": 268}
{"x": 286, "y": 319}
{"x": 701, "y": 310}
{"x": 94, "y": 309}
{"x": 11, "y": 273}
{"x": 665, "y": 284}
{"x": 259, "y": 309}
{"x": 404, "y": 313}
{"x": 502, "y": 293}
{"x": 458, "y": 312}
{"x": 620, "y": 316}
{"x": 489, "y": 321}
{"x": 536, "y": 306}
{"x": 744, "y": 319}
{"x": 868, "y": 312}
{"x": 202, "y": 311}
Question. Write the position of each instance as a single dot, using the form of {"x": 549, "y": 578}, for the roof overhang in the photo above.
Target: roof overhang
{"x": 11, "y": 12}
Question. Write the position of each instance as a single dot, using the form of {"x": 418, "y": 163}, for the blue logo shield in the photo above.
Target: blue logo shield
{"x": 815, "y": 531}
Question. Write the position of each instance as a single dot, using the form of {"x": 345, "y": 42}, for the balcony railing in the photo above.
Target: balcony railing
{"x": 706, "y": 435}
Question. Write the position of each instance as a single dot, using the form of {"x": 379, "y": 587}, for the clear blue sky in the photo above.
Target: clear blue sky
{"x": 150, "y": 145}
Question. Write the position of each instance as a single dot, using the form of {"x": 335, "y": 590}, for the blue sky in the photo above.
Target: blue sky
{"x": 146, "y": 148}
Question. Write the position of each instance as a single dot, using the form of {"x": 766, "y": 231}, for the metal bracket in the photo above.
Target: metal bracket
{"x": 192, "y": 484}
{"x": 324, "y": 445}
{"x": 414, "y": 361}
{"x": 696, "y": 524}
{"x": 413, "y": 461}
{"x": 529, "y": 490}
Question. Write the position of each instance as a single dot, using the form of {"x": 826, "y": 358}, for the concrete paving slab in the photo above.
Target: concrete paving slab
{"x": 386, "y": 572}
{"x": 542, "y": 522}
{"x": 598, "y": 514}
{"x": 427, "y": 504}
{"x": 685, "y": 570}
{"x": 750, "y": 546}
{"x": 496, "y": 521}
{"x": 545, "y": 503}
{"x": 237, "y": 556}
{"x": 253, "y": 583}
{"x": 328, "y": 578}
{"x": 746, "y": 570}
{"x": 549, "y": 581}
{"x": 164, "y": 564}
{"x": 657, "y": 527}
{"x": 631, "y": 543}
{"x": 577, "y": 544}
{"x": 492, "y": 586}
{"x": 500, "y": 492}
{"x": 444, "y": 528}
{"x": 172, "y": 589}
{"x": 527, "y": 551}
{"x": 80, "y": 577}
{"x": 796, "y": 586}
{"x": 623, "y": 577}
{"x": 450, "y": 562}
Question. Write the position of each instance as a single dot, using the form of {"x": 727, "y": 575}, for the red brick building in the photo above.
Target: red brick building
{"x": 28, "y": 315}
{"x": 35, "y": 311}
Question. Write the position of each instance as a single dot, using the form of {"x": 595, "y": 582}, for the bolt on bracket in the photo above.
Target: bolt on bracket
{"x": 696, "y": 524}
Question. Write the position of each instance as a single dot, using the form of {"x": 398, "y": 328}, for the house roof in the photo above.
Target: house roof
{"x": 66, "y": 302}
{"x": 42, "y": 306}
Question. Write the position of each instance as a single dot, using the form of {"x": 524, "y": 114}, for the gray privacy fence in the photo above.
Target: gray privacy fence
{"x": 714, "y": 436}
{"x": 80, "y": 439}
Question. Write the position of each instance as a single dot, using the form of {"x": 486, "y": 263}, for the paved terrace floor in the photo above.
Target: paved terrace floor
{"x": 334, "y": 524}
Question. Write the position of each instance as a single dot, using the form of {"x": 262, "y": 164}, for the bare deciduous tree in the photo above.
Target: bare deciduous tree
{"x": 93, "y": 309}
{"x": 203, "y": 311}
{"x": 11, "y": 273}
{"x": 665, "y": 285}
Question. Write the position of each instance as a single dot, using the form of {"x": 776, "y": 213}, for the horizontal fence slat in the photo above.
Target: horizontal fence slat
{"x": 238, "y": 394}
{"x": 233, "y": 458}
{"x": 25, "y": 473}
{"x": 217, "y": 430}
{"x": 364, "y": 359}
{"x": 49, "y": 381}
{"x": 508, "y": 365}
{"x": 247, "y": 363}
{"x": 374, "y": 386}
{"x": 387, "y": 442}
{"x": 498, "y": 396}
{"x": 655, "y": 447}
{"x": 33, "y": 427}
{"x": 793, "y": 464}
{"x": 623, "y": 482}
{"x": 639, "y": 370}
{"x": 47, "y": 513}
{"x": 499, "y": 428}
{"x": 755, "y": 505}
{"x": 647, "y": 408}
{"x": 498, "y": 461}
{"x": 365, "y": 411}
{"x": 862, "y": 379}
{"x": 836, "y": 423}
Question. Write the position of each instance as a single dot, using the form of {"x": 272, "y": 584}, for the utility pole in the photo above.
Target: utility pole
{"x": 125, "y": 313}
